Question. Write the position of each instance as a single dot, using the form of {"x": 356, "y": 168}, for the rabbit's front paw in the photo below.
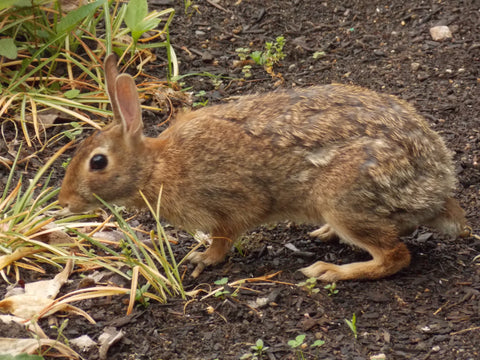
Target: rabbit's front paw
{"x": 213, "y": 255}
{"x": 325, "y": 233}
{"x": 197, "y": 258}
{"x": 202, "y": 259}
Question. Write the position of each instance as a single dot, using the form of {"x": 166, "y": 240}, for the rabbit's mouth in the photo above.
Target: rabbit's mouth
{"x": 66, "y": 211}
{"x": 75, "y": 203}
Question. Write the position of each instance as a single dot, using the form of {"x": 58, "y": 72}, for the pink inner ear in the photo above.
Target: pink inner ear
{"x": 128, "y": 103}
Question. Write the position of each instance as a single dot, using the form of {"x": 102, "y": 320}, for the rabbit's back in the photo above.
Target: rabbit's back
{"x": 316, "y": 116}
{"x": 291, "y": 152}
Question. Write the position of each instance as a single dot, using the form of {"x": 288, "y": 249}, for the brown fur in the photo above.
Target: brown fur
{"x": 364, "y": 164}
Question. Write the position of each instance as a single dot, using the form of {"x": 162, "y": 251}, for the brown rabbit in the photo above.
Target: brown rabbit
{"x": 366, "y": 166}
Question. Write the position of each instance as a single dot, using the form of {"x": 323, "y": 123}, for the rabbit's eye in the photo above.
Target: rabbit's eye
{"x": 98, "y": 162}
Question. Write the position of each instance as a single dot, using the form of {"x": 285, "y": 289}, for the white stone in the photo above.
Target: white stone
{"x": 440, "y": 33}
{"x": 415, "y": 66}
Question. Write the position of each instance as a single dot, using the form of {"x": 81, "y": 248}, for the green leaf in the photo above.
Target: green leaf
{"x": 72, "y": 94}
{"x": 137, "y": 10}
{"x": 138, "y": 20}
{"x": 222, "y": 281}
{"x": 297, "y": 342}
{"x": 257, "y": 56}
{"x": 73, "y": 18}
{"x": 318, "y": 343}
{"x": 7, "y": 3}
{"x": 8, "y": 48}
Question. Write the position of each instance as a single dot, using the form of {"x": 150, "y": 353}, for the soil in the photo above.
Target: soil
{"x": 431, "y": 310}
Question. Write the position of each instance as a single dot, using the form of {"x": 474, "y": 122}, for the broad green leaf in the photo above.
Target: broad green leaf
{"x": 137, "y": 10}
{"x": 8, "y": 48}
{"x": 74, "y": 17}
{"x": 72, "y": 94}
{"x": 7, "y": 3}
{"x": 221, "y": 281}
{"x": 143, "y": 27}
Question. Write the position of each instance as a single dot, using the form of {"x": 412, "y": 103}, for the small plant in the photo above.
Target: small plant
{"x": 190, "y": 8}
{"x": 317, "y": 343}
{"x": 141, "y": 296}
{"x": 200, "y": 95}
{"x": 66, "y": 162}
{"x": 223, "y": 292}
{"x": 259, "y": 348}
{"x": 60, "y": 330}
{"x": 309, "y": 285}
{"x": 332, "y": 289}
{"x": 352, "y": 324}
{"x": 73, "y": 133}
{"x": 244, "y": 54}
{"x": 298, "y": 344}
{"x": 272, "y": 54}
{"x": 24, "y": 217}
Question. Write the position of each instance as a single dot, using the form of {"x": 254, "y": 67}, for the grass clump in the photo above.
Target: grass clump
{"x": 31, "y": 237}
{"x": 51, "y": 58}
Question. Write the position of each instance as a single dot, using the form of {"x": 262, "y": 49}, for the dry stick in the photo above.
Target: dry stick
{"x": 218, "y": 6}
{"x": 465, "y": 330}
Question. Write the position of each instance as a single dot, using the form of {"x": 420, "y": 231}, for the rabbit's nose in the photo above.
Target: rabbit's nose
{"x": 63, "y": 200}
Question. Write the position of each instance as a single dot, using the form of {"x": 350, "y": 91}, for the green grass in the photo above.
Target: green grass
{"x": 53, "y": 60}
{"x": 27, "y": 225}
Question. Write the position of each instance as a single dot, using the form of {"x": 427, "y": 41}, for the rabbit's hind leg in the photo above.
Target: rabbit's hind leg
{"x": 389, "y": 255}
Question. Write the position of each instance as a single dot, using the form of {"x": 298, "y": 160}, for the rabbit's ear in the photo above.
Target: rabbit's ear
{"x": 111, "y": 73}
{"x": 126, "y": 97}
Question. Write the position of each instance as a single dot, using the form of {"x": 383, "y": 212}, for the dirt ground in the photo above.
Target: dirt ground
{"x": 431, "y": 310}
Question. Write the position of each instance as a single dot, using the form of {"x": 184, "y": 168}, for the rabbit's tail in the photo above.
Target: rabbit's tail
{"x": 451, "y": 220}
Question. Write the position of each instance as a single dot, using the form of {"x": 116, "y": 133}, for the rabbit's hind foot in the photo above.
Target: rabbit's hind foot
{"x": 385, "y": 262}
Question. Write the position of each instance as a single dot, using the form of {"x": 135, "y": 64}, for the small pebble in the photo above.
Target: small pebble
{"x": 440, "y": 33}
{"x": 414, "y": 66}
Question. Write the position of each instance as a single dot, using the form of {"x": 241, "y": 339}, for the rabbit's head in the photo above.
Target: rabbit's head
{"x": 106, "y": 164}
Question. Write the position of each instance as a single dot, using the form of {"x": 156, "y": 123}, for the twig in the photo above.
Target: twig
{"x": 465, "y": 330}
{"x": 218, "y": 6}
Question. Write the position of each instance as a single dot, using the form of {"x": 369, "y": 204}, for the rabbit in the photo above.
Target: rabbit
{"x": 364, "y": 166}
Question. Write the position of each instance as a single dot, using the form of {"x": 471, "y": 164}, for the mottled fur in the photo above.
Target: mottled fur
{"x": 364, "y": 164}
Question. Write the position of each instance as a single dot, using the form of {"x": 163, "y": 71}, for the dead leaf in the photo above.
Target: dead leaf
{"x": 109, "y": 337}
{"x": 37, "y": 295}
{"x": 18, "y": 254}
{"x": 48, "y": 117}
{"x": 31, "y": 346}
{"x": 83, "y": 342}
